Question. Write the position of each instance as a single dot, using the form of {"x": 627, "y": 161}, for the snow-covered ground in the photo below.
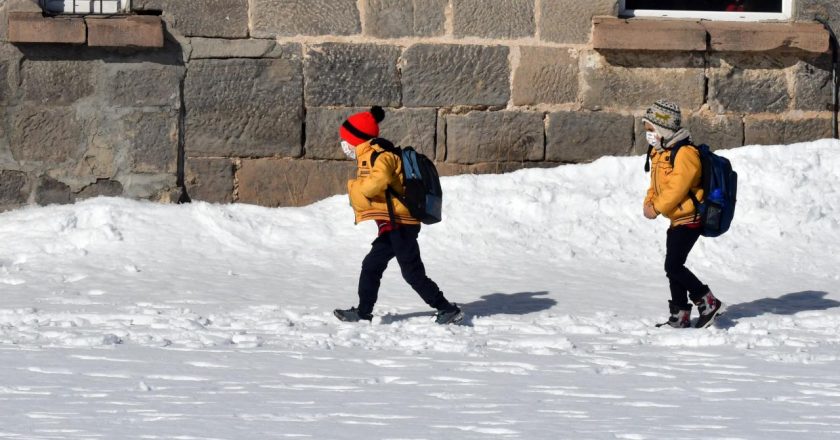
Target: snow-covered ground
{"x": 130, "y": 320}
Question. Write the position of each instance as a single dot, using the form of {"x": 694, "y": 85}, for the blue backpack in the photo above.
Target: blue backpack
{"x": 423, "y": 193}
{"x": 720, "y": 185}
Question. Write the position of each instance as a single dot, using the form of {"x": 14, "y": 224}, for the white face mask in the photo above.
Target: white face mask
{"x": 349, "y": 150}
{"x": 654, "y": 140}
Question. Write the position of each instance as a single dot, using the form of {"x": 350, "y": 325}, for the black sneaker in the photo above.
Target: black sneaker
{"x": 450, "y": 316}
{"x": 709, "y": 308}
{"x": 352, "y": 315}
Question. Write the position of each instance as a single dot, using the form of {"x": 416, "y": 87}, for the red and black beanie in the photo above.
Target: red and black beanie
{"x": 362, "y": 127}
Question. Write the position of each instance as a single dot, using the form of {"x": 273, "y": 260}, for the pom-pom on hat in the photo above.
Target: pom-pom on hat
{"x": 362, "y": 127}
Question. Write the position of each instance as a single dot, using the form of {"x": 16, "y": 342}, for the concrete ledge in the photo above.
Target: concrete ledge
{"x": 648, "y": 34}
{"x": 136, "y": 30}
{"x": 763, "y": 37}
{"x": 33, "y": 27}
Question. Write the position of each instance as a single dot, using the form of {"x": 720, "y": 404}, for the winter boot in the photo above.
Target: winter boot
{"x": 352, "y": 315}
{"x": 680, "y": 317}
{"x": 452, "y": 315}
{"x": 709, "y": 308}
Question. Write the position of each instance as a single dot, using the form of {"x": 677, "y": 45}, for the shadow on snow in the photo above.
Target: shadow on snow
{"x": 521, "y": 303}
{"x": 788, "y": 304}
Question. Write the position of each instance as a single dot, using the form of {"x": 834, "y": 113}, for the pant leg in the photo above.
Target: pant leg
{"x": 373, "y": 266}
{"x": 407, "y": 251}
{"x": 683, "y": 282}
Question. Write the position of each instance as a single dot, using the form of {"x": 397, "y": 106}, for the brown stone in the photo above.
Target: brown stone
{"x": 586, "y": 136}
{"x": 747, "y": 83}
{"x": 768, "y": 130}
{"x": 57, "y": 82}
{"x": 546, "y": 75}
{"x": 288, "y": 182}
{"x": 763, "y": 37}
{"x": 504, "y": 136}
{"x": 640, "y": 34}
{"x": 34, "y": 27}
{"x": 272, "y": 18}
{"x": 570, "y": 21}
{"x": 45, "y": 134}
{"x": 135, "y": 30}
{"x": 210, "y": 180}
{"x": 493, "y": 18}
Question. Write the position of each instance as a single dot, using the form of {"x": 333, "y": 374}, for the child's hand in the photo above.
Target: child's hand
{"x": 650, "y": 212}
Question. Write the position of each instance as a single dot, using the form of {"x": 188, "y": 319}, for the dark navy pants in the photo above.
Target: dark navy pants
{"x": 683, "y": 282}
{"x": 402, "y": 244}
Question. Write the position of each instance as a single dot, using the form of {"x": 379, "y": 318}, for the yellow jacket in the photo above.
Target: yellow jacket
{"x": 367, "y": 190}
{"x": 669, "y": 186}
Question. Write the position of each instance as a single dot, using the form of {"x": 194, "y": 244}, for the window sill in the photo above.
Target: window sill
{"x": 611, "y": 33}
{"x": 112, "y": 31}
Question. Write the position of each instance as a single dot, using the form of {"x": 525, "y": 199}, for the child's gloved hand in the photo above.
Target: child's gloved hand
{"x": 650, "y": 212}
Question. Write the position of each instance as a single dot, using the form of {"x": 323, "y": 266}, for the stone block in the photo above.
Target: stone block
{"x": 447, "y": 75}
{"x": 153, "y": 141}
{"x": 570, "y": 21}
{"x": 14, "y": 188}
{"x": 762, "y": 37}
{"x": 210, "y": 180}
{"x": 454, "y": 169}
{"x": 546, "y": 75}
{"x": 807, "y": 10}
{"x": 352, "y": 74}
{"x": 244, "y": 107}
{"x": 201, "y": 18}
{"x": 143, "y": 85}
{"x": 635, "y": 80}
{"x": 101, "y": 188}
{"x": 404, "y": 127}
{"x": 34, "y": 27}
{"x": 790, "y": 129}
{"x": 57, "y": 82}
{"x": 813, "y": 86}
{"x": 620, "y": 34}
{"x": 716, "y": 131}
{"x": 50, "y": 191}
{"x": 748, "y": 84}
{"x": 223, "y": 48}
{"x": 7, "y": 6}
{"x": 504, "y": 136}
{"x": 285, "y": 182}
{"x": 51, "y": 135}
{"x": 131, "y": 31}
{"x": 404, "y": 18}
{"x": 288, "y": 18}
{"x": 493, "y": 18}
{"x": 586, "y": 136}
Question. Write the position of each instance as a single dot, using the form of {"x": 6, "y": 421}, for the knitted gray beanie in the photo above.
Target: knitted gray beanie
{"x": 665, "y": 116}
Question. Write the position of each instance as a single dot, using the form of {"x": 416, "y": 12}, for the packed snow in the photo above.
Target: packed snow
{"x": 122, "y": 319}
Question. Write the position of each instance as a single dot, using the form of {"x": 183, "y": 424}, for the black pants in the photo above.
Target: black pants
{"x": 684, "y": 284}
{"x": 402, "y": 244}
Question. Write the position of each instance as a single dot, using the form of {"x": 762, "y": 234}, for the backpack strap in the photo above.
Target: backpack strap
{"x": 691, "y": 194}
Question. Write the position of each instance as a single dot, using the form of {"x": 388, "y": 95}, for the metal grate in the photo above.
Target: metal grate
{"x": 85, "y": 7}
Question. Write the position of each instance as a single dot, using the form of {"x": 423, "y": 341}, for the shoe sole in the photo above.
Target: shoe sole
{"x": 342, "y": 319}
{"x": 715, "y": 315}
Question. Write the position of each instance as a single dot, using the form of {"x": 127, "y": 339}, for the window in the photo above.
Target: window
{"x": 724, "y": 10}
{"x": 85, "y": 7}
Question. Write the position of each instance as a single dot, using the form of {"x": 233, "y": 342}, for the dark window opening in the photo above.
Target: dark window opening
{"x": 773, "y": 6}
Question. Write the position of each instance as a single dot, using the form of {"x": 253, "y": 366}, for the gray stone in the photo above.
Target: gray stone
{"x": 352, "y": 74}
{"x": 716, "y": 131}
{"x": 201, "y": 18}
{"x": 748, "y": 84}
{"x": 57, "y": 82}
{"x": 545, "y": 75}
{"x": 404, "y": 18}
{"x": 759, "y": 130}
{"x": 51, "y": 135}
{"x": 635, "y": 80}
{"x": 101, "y": 188}
{"x": 144, "y": 84}
{"x": 210, "y": 180}
{"x": 570, "y": 21}
{"x": 446, "y": 75}
{"x": 454, "y": 169}
{"x": 244, "y": 107}
{"x": 272, "y": 18}
{"x": 586, "y": 136}
{"x": 223, "y": 48}
{"x": 505, "y": 136}
{"x": 153, "y": 141}
{"x": 51, "y": 191}
{"x": 284, "y": 182}
{"x": 493, "y": 18}
{"x": 813, "y": 86}
{"x": 403, "y": 127}
{"x": 14, "y": 188}
{"x": 440, "y": 137}
{"x": 828, "y": 10}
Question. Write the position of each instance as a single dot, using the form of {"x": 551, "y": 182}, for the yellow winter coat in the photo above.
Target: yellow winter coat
{"x": 367, "y": 190}
{"x": 669, "y": 186}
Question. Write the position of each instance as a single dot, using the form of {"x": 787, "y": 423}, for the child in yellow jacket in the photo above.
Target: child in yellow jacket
{"x": 379, "y": 171}
{"x": 675, "y": 182}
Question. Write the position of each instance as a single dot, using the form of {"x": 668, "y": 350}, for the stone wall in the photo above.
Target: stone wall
{"x": 243, "y": 102}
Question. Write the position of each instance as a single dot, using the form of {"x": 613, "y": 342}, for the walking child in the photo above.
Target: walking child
{"x": 674, "y": 185}
{"x": 379, "y": 170}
